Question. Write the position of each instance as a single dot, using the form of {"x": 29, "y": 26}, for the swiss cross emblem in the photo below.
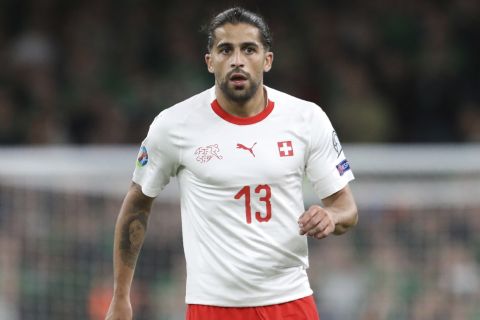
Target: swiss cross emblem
{"x": 285, "y": 148}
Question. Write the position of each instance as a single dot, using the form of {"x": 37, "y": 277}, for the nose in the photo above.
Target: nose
{"x": 237, "y": 59}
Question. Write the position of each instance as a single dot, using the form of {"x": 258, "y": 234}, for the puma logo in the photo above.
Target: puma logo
{"x": 241, "y": 146}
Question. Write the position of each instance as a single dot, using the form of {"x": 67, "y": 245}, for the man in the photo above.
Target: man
{"x": 240, "y": 151}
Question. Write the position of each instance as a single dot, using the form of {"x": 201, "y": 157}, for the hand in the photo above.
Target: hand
{"x": 316, "y": 222}
{"x": 120, "y": 309}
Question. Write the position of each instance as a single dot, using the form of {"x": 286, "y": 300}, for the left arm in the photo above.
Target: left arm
{"x": 337, "y": 216}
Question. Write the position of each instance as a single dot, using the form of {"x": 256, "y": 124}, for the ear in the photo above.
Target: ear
{"x": 208, "y": 61}
{"x": 268, "y": 61}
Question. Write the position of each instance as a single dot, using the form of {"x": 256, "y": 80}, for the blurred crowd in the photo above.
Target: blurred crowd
{"x": 399, "y": 262}
{"x": 98, "y": 71}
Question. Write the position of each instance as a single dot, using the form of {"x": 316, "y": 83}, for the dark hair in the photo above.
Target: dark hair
{"x": 239, "y": 15}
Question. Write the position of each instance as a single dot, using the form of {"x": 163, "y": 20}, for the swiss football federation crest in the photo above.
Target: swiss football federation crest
{"x": 205, "y": 154}
{"x": 142, "y": 158}
{"x": 285, "y": 148}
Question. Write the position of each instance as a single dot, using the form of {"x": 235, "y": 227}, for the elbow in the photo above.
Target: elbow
{"x": 355, "y": 217}
{"x": 349, "y": 223}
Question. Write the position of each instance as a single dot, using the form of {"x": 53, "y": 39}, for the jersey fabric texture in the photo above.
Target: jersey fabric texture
{"x": 240, "y": 183}
{"x": 301, "y": 309}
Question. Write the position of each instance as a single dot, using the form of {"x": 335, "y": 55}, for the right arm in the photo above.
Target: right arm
{"x": 130, "y": 232}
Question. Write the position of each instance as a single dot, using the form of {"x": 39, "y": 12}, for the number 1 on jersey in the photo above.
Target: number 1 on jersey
{"x": 245, "y": 191}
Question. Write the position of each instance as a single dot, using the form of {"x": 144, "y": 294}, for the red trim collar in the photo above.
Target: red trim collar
{"x": 242, "y": 121}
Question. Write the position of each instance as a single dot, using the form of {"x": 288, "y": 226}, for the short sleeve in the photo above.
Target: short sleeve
{"x": 157, "y": 159}
{"x": 327, "y": 167}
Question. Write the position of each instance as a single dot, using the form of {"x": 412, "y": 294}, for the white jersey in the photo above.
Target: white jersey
{"x": 241, "y": 192}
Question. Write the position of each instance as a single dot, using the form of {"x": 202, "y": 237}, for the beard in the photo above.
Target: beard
{"x": 239, "y": 94}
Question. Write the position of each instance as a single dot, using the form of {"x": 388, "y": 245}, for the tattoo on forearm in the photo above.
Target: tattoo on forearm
{"x": 132, "y": 236}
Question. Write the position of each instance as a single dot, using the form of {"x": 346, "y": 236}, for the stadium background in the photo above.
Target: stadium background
{"x": 80, "y": 81}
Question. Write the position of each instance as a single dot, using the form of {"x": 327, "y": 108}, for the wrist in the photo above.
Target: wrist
{"x": 121, "y": 293}
{"x": 332, "y": 217}
{"x": 121, "y": 296}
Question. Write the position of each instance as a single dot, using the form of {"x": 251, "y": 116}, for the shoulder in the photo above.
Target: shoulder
{"x": 177, "y": 114}
{"x": 295, "y": 106}
{"x": 188, "y": 106}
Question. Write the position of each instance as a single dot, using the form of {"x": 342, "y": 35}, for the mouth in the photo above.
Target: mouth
{"x": 238, "y": 79}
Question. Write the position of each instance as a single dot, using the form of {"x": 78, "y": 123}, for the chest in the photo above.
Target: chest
{"x": 227, "y": 155}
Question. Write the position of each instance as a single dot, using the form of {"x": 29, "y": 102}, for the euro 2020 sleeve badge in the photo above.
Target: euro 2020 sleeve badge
{"x": 142, "y": 158}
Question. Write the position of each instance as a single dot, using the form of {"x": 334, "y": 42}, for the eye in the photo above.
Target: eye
{"x": 250, "y": 50}
{"x": 224, "y": 50}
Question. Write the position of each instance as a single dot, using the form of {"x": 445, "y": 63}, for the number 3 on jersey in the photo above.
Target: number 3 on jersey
{"x": 267, "y": 194}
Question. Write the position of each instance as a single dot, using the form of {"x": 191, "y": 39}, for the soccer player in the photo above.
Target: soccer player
{"x": 240, "y": 151}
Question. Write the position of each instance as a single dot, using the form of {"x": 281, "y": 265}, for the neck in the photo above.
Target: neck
{"x": 246, "y": 109}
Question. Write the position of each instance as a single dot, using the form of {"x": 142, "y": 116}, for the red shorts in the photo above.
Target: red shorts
{"x": 301, "y": 309}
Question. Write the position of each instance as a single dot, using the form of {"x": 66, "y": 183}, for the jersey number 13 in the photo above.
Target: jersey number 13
{"x": 265, "y": 193}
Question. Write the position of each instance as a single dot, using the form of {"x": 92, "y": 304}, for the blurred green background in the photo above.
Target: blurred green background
{"x": 81, "y": 81}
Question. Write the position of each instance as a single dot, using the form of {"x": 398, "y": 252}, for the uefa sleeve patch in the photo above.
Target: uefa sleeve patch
{"x": 142, "y": 158}
{"x": 343, "y": 167}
